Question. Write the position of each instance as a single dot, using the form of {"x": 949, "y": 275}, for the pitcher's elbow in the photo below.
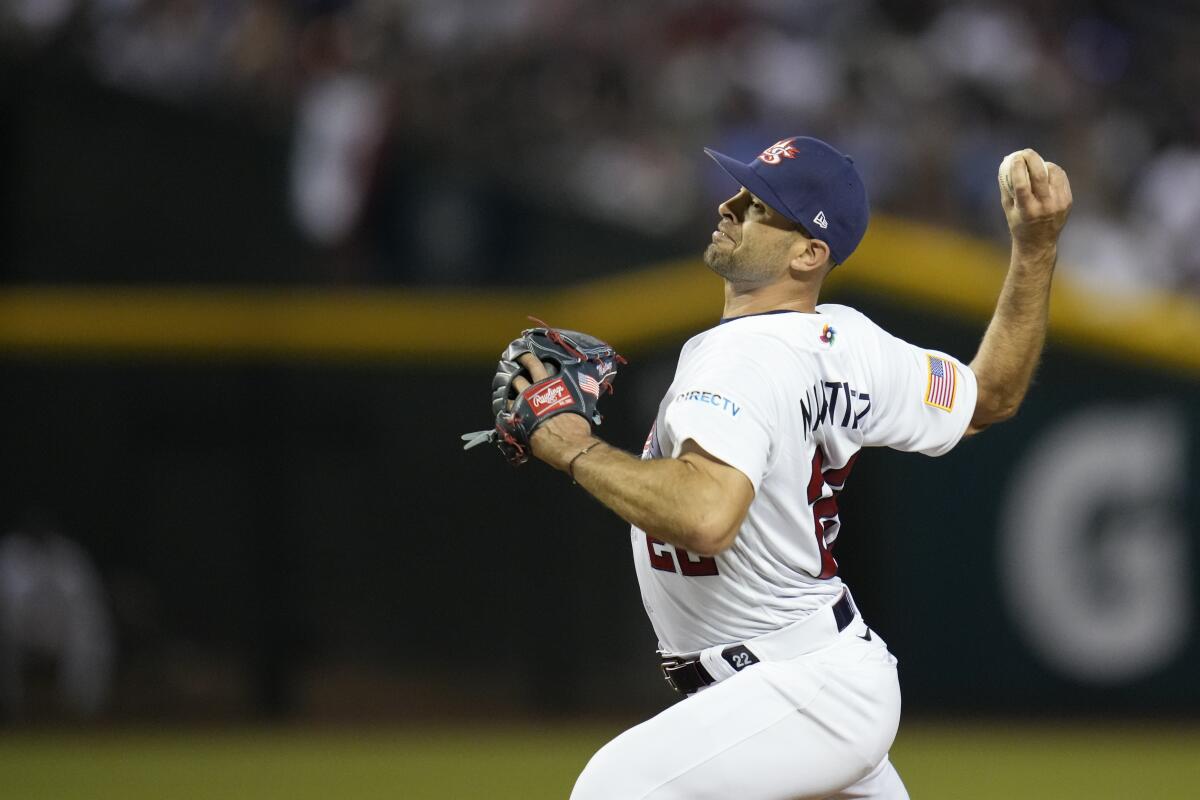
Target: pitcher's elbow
{"x": 712, "y": 537}
{"x": 987, "y": 416}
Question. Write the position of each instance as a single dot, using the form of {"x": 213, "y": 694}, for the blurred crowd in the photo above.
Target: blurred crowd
{"x": 603, "y": 107}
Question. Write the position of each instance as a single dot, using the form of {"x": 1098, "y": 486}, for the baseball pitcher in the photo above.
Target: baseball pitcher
{"x": 733, "y": 504}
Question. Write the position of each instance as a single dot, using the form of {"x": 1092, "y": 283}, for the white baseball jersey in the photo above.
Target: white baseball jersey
{"x": 788, "y": 399}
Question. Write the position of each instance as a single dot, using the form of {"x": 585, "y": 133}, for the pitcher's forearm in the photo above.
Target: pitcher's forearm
{"x": 669, "y": 498}
{"x": 1012, "y": 346}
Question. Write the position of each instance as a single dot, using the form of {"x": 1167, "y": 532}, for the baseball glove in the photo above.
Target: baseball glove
{"x": 581, "y": 368}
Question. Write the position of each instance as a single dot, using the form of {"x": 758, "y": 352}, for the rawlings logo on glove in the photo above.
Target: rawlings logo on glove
{"x": 581, "y": 368}
{"x": 550, "y": 396}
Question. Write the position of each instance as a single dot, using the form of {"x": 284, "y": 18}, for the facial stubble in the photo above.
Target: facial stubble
{"x": 733, "y": 268}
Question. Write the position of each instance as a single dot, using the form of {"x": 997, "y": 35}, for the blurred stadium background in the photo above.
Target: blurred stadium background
{"x": 257, "y": 259}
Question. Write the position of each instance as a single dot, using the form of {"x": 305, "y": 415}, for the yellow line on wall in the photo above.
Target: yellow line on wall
{"x": 944, "y": 271}
{"x": 911, "y": 264}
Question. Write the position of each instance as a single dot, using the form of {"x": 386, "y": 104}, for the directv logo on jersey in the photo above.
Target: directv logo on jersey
{"x": 712, "y": 398}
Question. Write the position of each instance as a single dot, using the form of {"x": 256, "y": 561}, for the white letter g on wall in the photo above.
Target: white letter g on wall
{"x": 1094, "y": 558}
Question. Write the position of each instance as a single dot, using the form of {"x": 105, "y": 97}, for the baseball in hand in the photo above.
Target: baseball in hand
{"x": 1006, "y": 171}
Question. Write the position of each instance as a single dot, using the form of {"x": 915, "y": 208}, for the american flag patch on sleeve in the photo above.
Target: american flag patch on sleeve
{"x": 942, "y": 379}
{"x": 589, "y": 385}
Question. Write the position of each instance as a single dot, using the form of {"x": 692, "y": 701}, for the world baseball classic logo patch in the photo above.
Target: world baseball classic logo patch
{"x": 551, "y": 396}
{"x": 939, "y": 391}
{"x": 778, "y": 151}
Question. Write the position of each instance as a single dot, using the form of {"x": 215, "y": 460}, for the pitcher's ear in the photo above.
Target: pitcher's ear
{"x": 814, "y": 258}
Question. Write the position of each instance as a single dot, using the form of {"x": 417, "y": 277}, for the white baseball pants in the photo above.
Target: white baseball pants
{"x": 816, "y": 726}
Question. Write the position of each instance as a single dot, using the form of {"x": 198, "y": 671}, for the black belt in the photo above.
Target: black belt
{"x": 689, "y": 676}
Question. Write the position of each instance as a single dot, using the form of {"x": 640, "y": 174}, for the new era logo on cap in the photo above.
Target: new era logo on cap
{"x": 810, "y": 183}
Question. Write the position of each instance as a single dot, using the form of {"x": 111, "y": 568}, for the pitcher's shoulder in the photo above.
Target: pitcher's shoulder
{"x": 842, "y": 313}
{"x": 850, "y": 320}
{"x": 771, "y": 345}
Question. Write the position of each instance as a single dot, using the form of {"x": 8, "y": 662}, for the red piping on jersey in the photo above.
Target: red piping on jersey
{"x": 826, "y": 508}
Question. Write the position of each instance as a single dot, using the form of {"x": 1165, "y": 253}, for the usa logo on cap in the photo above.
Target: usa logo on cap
{"x": 778, "y": 151}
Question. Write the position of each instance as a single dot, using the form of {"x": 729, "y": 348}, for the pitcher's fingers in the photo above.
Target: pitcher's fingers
{"x": 519, "y": 385}
{"x": 534, "y": 366}
{"x": 1059, "y": 183}
{"x": 1039, "y": 178}
{"x": 1018, "y": 173}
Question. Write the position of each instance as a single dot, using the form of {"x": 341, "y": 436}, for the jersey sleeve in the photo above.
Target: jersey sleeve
{"x": 726, "y": 405}
{"x": 923, "y": 399}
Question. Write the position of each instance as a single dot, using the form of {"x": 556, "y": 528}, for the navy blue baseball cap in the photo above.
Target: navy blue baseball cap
{"x": 810, "y": 183}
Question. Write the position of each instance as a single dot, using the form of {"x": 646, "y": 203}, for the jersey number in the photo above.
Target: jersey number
{"x": 663, "y": 557}
{"x": 825, "y": 509}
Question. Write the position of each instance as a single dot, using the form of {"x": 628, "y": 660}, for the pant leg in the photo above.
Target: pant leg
{"x": 882, "y": 784}
{"x": 805, "y": 728}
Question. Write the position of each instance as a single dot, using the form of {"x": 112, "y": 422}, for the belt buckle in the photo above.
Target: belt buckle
{"x": 665, "y": 667}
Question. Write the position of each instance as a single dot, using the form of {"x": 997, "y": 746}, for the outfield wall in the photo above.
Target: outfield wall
{"x": 298, "y": 517}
